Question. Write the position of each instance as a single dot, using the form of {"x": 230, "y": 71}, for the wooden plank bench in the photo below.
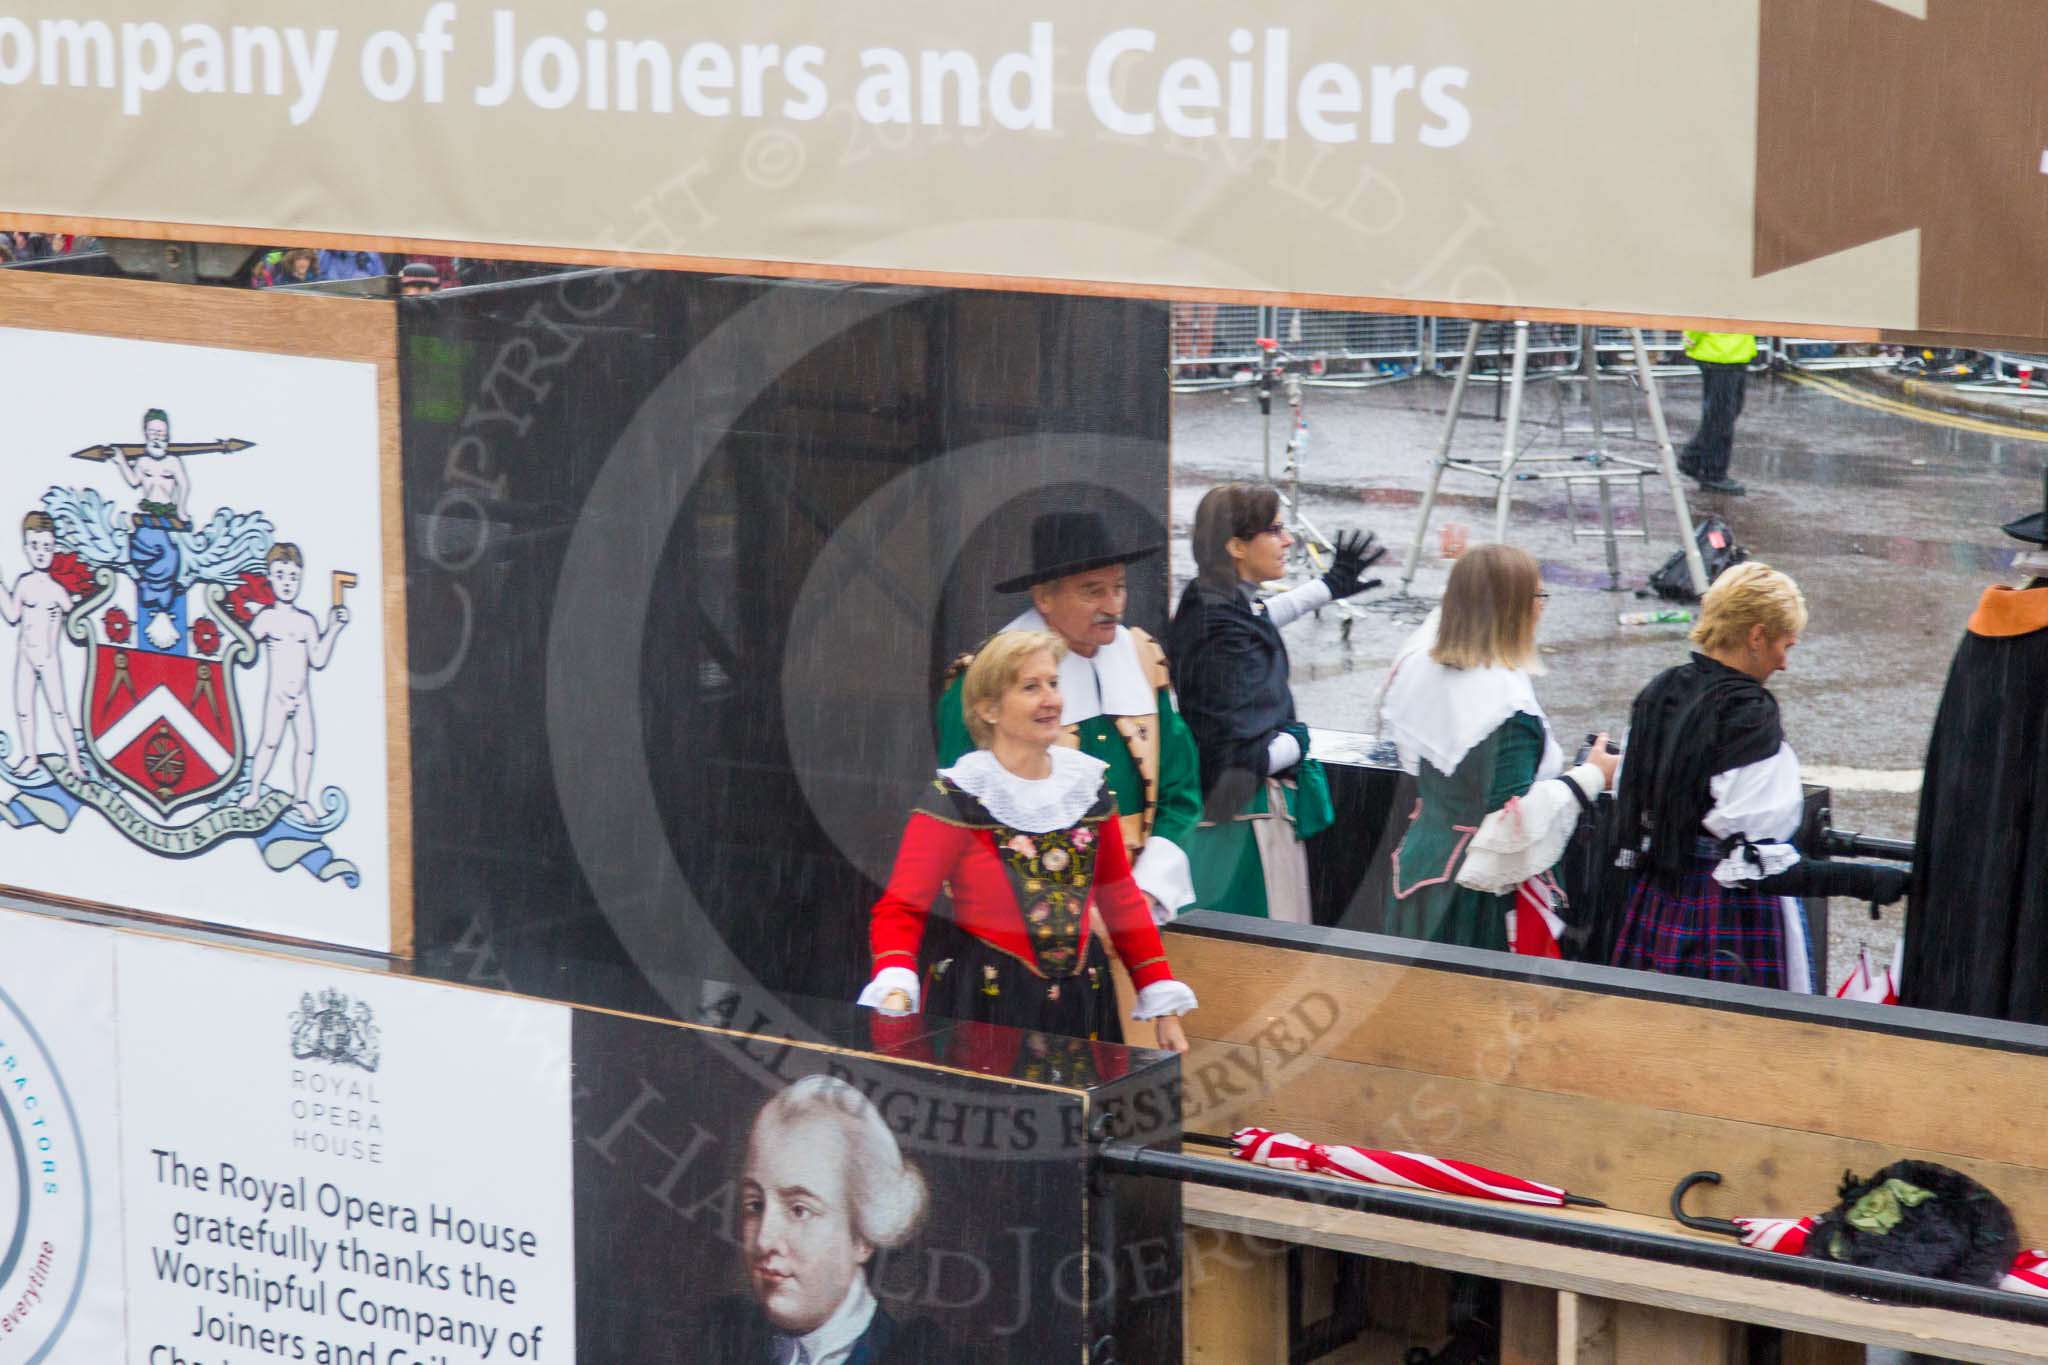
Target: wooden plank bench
{"x": 1613, "y": 1084}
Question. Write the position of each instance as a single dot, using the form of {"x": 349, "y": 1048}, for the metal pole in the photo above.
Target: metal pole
{"x": 1443, "y": 454}
{"x": 1667, "y": 457}
{"x": 1508, "y": 453}
{"x": 1589, "y": 367}
{"x": 1264, "y": 325}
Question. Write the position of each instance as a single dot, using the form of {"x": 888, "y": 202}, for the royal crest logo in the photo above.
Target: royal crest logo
{"x": 331, "y": 1029}
{"x": 171, "y": 613}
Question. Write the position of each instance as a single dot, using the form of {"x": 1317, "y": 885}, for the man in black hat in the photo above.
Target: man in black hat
{"x": 1116, "y": 695}
{"x": 1977, "y": 920}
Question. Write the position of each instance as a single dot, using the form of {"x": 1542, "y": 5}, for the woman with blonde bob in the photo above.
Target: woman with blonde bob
{"x": 1489, "y": 823}
{"x": 1023, "y": 834}
{"x": 1710, "y": 798}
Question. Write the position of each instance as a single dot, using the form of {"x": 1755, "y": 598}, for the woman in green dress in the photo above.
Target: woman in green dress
{"x": 1489, "y": 822}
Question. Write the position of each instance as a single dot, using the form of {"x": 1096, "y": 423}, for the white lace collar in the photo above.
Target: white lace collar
{"x": 1111, "y": 682}
{"x": 1033, "y": 806}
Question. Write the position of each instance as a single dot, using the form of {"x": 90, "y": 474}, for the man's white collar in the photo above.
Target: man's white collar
{"x": 1034, "y": 806}
{"x": 1111, "y": 682}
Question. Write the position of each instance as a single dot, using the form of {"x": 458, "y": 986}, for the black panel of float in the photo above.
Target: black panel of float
{"x": 937, "y": 419}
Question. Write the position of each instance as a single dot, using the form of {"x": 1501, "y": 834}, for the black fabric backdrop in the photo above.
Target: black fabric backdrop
{"x": 906, "y": 453}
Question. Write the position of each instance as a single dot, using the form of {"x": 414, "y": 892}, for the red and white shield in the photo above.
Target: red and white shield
{"x": 165, "y": 725}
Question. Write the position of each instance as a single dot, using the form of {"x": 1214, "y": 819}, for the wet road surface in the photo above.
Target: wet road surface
{"x": 1889, "y": 524}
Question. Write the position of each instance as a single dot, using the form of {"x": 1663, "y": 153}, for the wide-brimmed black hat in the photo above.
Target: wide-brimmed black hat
{"x": 2033, "y": 529}
{"x": 1064, "y": 543}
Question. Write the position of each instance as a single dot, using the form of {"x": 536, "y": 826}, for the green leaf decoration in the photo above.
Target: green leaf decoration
{"x": 1912, "y": 1196}
{"x": 1878, "y": 1212}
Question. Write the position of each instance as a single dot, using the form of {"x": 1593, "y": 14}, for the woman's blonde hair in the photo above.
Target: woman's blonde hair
{"x": 994, "y": 672}
{"x": 1489, "y": 611}
{"x": 1749, "y": 594}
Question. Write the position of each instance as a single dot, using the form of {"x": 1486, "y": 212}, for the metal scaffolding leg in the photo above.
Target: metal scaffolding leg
{"x": 1508, "y": 452}
{"x": 1668, "y": 458}
{"x": 1589, "y": 368}
{"x": 1443, "y": 455}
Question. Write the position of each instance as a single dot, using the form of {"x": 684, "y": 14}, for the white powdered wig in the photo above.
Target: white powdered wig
{"x": 887, "y": 1193}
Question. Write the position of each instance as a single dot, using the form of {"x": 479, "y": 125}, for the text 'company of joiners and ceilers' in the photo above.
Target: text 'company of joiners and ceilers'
{"x": 1241, "y": 83}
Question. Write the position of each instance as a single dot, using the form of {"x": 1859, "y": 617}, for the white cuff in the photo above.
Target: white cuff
{"x": 1296, "y": 603}
{"x": 1162, "y": 873}
{"x": 1164, "y": 997}
{"x": 1527, "y": 836}
{"x": 1735, "y": 869}
{"x": 1589, "y": 779}
{"x": 1283, "y": 751}
{"x": 886, "y": 980}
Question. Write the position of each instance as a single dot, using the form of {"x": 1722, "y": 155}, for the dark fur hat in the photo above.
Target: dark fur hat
{"x": 1919, "y": 1219}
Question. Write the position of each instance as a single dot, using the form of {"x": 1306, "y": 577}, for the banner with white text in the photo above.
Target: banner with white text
{"x": 1732, "y": 160}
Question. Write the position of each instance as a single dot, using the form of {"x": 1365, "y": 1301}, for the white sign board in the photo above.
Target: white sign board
{"x": 331, "y": 1166}
{"x": 191, "y": 610}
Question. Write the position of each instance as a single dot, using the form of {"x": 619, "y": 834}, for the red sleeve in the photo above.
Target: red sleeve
{"x": 1124, "y": 910}
{"x": 929, "y": 851}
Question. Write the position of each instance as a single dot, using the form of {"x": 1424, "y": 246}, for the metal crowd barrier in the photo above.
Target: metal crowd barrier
{"x": 1802, "y": 353}
{"x": 1212, "y": 342}
{"x": 1614, "y": 350}
{"x": 1215, "y": 345}
{"x": 1554, "y": 348}
{"x": 2012, "y": 372}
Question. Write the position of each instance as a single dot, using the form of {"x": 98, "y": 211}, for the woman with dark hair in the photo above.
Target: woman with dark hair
{"x": 1489, "y": 824}
{"x": 1710, "y": 800}
{"x": 1262, "y": 794}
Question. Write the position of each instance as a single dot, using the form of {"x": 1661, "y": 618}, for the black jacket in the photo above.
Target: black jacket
{"x": 1230, "y": 673}
{"x": 736, "y": 1332}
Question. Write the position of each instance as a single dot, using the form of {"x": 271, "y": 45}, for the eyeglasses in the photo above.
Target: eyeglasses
{"x": 1542, "y": 597}
{"x": 1278, "y": 528}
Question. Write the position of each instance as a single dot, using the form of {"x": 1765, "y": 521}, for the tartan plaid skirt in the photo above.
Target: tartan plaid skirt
{"x": 1704, "y": 929}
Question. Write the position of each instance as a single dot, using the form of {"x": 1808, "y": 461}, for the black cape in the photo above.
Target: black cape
{"x": 1691, "y": 724}
{"x": 1230, "y": 674}
{"x": 1977, "y": 929}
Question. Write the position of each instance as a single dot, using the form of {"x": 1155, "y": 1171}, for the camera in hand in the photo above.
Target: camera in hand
{"x": 1586, "y": 749}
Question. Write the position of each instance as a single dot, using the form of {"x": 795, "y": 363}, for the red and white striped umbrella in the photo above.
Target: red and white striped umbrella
{"x": 1408, "y": 1170}
{"x": 1787, "y": 1235}
{"x": 2029, "y": 1273}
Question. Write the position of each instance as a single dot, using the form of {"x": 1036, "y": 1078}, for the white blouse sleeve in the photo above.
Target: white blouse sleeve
{"x": 1763, "y": 804}
{"x": 1292, "y": 605}
{"x": 1526, "y": 837}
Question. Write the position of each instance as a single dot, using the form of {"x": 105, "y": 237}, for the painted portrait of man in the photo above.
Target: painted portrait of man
{"x": 823, "y": 1188}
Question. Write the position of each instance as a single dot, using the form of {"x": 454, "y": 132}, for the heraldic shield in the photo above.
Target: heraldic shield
{"x": 162, "y": 713}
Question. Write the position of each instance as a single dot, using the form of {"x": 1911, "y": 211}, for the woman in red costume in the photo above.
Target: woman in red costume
{"x": 1023, "y": 834}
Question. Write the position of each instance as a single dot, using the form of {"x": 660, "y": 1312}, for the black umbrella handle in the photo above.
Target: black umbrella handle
{"x": 1726, "y": 1226}
{"x": 1209, "y": 1140}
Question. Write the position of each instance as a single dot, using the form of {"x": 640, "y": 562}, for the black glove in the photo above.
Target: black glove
{"x": 1355, "y": 552}
{"x": 1822, "y": 877}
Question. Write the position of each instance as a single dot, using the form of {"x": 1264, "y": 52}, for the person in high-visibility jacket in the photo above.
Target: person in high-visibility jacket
{"x": 1723, "y": 358}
